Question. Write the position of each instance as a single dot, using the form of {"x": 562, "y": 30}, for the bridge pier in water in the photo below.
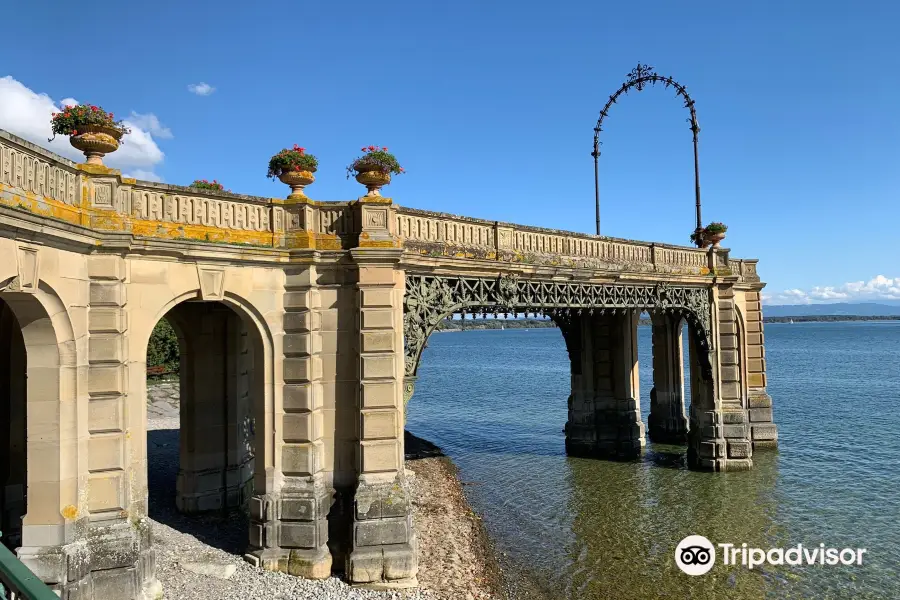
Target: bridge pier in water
{"x": 302, "y": 325}
{"x": 604, "y": 408}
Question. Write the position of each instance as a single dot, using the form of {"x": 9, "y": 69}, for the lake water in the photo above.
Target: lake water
{"x": 495, "y": 401}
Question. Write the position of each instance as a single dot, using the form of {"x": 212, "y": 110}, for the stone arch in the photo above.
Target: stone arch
{"x": 262, "y": 400}
{"x": 53, "y": 401}
{"x": 264, "y": 477}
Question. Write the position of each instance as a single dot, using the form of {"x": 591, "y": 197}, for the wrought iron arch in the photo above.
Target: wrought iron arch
{"x": 430, "y": 299}
{"x": 638, "y": 79}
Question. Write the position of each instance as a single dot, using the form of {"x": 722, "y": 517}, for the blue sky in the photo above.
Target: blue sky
{"x": 490, "y": 107}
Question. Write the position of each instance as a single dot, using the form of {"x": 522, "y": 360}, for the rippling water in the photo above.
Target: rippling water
{"x": 495, "y": 401}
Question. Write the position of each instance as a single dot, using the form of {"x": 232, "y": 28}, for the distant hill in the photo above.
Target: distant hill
{"x": 862, "y": 309}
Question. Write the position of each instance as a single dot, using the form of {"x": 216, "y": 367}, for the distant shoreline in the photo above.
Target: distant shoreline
{"x": 468, "y": 325}
{"x": 829, "y": 318}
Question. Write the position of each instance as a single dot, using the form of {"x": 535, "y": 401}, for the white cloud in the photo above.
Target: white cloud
{"x": 201, "y": 89}
{"x": 150, "y": 123}
{"x": 877, "y": 288}
{"x": 27, "y": 114}
{"x": 142, "y": 175}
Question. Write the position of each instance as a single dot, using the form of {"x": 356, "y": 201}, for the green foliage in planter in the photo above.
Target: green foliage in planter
{"x": 716, "y": 228}
{"x": 292, "y": 159}
{"x": 163, "y": 347}
{"x": 71, "y": 118}
{"x": 375, "y": 159}
{"x": 203, "y": 184}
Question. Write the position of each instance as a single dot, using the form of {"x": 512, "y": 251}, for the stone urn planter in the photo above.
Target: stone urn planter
{"x": 373, "y": 179}
{"x": 294, "y": 167}
{"x": 96, "y": 141}
{"x": 374, "y": 169}
{"x": 297, "y": 180}
{"x": 714, "y": 238}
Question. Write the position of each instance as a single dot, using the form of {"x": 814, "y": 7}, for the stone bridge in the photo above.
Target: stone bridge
{"x": 301, "y": 326}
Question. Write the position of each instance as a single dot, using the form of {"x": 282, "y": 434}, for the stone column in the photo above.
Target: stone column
{"x": 731, "y": 365}
{"x": 604, "y": 410}
{"x": 667, "y": 422}
{"x": 706, "y": 443}
{"x": 383, "y": 540}
{"x": 764, "y": 433}
{"x": 289, "y": 530}
{"x": 122, "y": 561}
{"x": 619, "y": 425}
{"x": 581, "y": 432}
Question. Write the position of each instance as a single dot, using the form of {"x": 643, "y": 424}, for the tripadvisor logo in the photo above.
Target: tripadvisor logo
{"x": 696, "y": 555}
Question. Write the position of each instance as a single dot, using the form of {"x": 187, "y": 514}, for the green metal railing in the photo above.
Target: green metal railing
{"x": 17, "y": 582}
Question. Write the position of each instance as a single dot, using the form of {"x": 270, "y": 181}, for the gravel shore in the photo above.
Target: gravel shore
{"x": 455, "y": 560}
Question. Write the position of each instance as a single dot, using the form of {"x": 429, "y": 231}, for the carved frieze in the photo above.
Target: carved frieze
{"x": 19, "y": 169}
{"x": 198, "y": 210}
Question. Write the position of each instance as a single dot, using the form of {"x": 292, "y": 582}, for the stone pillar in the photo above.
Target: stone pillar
{"x": 763, "y": 432}
{"x": 731, "y": 365}
{"x": 718, "y": 438}
{"x": 289, "y": 529}
{"x": 581, "y": 433}
{"x": 122, "y": 561}
{"x": 667, "y": 422}
{"x": 216, "y": 441}
{"x": 604, "y": 409}
{"x": 706, "y": 443}
{"x": 383, "y": 543}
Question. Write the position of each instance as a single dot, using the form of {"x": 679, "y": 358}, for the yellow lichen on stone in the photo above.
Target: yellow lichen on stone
{"x": 328, "y": 242}
{"x": 379, "y": 244}
{"x": 202, "y": 233}
{"x": 97, "y": 169}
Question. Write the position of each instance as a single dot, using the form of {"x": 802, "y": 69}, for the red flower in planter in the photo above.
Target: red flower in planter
{"x": 291, "y": 160}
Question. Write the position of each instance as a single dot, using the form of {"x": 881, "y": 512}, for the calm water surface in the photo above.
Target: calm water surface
{"x": 495, "y": 401}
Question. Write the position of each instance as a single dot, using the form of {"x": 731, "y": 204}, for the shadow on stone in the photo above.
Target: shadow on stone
{"x": 226, "y": 530}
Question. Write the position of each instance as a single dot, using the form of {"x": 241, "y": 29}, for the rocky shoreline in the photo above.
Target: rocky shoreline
{"x": 201, "y": 556}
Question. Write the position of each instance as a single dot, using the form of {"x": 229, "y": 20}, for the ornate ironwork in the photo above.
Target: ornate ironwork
{"x": 430, "y": 299}
{"x": 638, "y": 79}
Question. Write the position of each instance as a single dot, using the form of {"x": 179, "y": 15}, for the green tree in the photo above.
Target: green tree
{"x": 163, "y": 347}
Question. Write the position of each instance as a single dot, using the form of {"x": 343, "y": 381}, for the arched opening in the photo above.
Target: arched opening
{"x": 13, "y": 430}
{"x": 205, "y": 394}
{"x": 39, "y": 429}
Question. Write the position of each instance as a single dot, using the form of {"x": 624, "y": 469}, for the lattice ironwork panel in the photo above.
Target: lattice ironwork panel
{"x": 430, "y": 299}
